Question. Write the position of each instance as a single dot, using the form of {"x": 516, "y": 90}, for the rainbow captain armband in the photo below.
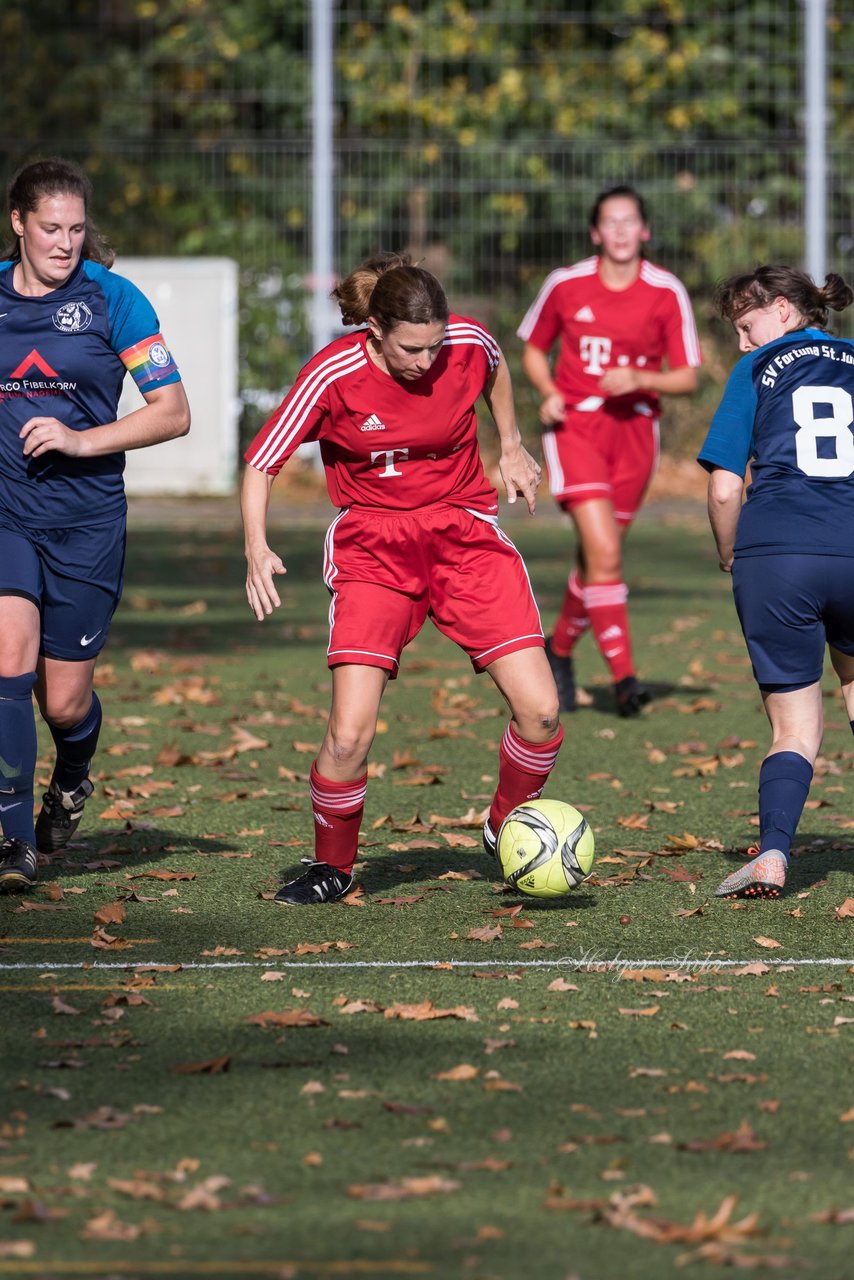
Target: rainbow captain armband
{"x": 149, "y": 362}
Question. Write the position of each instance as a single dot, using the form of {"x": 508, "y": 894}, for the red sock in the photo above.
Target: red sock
{"x": 609, "y": 618}
{"x": 572, "y": 621}
{"x": 523, "y": 770}
{"x": 338, "y": 809}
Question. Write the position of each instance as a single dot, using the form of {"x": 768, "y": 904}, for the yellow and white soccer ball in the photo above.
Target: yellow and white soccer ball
{"x": 545, "y": 848}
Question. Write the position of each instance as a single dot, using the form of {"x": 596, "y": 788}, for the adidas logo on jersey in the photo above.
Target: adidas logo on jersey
{"x": 611, "y": 633}
{"x": 373, "y": 423}
{"x": 584, "y": 314}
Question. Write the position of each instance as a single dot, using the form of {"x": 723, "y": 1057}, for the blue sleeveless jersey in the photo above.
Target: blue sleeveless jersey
{"x": 65, "y": 356}
{"x": 788, "y": 411}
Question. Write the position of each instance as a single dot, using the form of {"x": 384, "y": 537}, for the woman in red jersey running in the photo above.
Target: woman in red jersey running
{"x": 393, "y": 407}
{"x": 618, "y": 319}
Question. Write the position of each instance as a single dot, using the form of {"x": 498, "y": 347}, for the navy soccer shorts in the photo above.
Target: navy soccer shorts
{"x": 789, "y": 606}
{"x": 73, "y": 576}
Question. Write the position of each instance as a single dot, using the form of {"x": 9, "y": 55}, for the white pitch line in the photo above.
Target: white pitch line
{"x": 590, "y": 965}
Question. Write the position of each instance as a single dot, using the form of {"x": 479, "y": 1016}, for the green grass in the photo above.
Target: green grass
{"x": 588, "y": 1083}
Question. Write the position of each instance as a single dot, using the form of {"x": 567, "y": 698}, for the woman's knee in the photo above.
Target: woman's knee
{"x": 539, "y": 720}
{"x": 64, "y": 708}
{"x": 604, "y": 564}
{"x": 19, "y": 651}
{"x": 348, "y": 744}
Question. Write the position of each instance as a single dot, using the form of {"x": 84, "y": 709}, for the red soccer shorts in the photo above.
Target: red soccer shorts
{"x": 601, "y": 455}
{"x": 389, "y": 571}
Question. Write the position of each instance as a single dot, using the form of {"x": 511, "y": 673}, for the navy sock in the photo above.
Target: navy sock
{"x": 76, "y": 746}
{"x": 784, "y": 784}
{"x": 18, "y": 749}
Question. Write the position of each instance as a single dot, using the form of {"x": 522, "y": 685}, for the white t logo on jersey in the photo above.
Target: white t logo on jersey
{"x": 389, "y": 455}
{"x": 595, "y": 353}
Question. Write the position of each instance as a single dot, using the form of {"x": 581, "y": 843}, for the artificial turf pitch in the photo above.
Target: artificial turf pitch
{"x": 440, "y": 1078}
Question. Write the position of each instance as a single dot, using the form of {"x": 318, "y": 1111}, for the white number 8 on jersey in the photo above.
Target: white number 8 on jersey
{"x": 811, "y": 429}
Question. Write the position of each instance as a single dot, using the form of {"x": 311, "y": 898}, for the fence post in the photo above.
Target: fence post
{"x": 815, "y": 138}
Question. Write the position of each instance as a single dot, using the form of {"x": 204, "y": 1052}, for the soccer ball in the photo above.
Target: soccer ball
{"x": 545, "y": 848}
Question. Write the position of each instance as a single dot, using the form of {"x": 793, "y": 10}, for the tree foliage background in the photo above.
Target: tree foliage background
{"x": 476, "y": 135}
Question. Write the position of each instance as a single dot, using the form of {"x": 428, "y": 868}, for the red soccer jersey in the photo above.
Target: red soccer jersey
{"x": 384, "y": 443}
{"x": 602, "y": 328}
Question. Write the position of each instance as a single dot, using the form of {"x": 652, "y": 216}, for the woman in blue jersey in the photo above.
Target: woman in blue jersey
{"x": 69, "y": 331}
{"x": 788, "y": 411}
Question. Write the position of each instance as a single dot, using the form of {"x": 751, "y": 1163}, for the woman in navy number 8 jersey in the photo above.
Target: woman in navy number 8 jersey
{"x": 417, "y": 536}
{"x": 788, "y": 411}
{"x": 69, "y": 331}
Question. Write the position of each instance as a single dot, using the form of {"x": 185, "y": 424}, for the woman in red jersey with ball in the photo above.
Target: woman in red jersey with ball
{"x": 618, "y": 319}
{"x": 393, "y": 407}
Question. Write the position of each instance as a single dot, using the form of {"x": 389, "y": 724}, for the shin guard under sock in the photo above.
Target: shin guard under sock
{"x": 523, "y": 770}
{"x": 18, "y": 748}
{"x": 338, "y": 809}
{"x": 572, "y": 621}
{"x": 609, "y": 619}
{"x": 76, "y": 746}
{"x": 784, "y": 784}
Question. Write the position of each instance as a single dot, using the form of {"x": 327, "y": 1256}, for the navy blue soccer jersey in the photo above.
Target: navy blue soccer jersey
{"x": 64, "y": 355}
{"x": 788, "y": 411}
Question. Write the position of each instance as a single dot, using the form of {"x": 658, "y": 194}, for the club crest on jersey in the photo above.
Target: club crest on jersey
{"x": 373, "y": 423}
{"x": 158, "y": 354}
{"x": 72, "y": 317}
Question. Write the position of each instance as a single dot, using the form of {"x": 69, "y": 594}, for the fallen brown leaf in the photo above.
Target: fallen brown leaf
{"x": 28, "y": 905}
{"x": 634, "y": 822}
{"x": 17, "y": 1249}
{"x": 204, "y": 1195}
{"x": 286, "y": 1018}
{"x": 320, "y": 948}
{"x": 465, "y": 1071}
{"x": 11, "y": 1185}
{"x": 136, "y": 1188}
{"x": 163, "y": 875}
{"x": 359, "y": 1006}
{"x": 213, "y": 1066}
{"x": 685, "y": 841}
{"x": 245, "y": 741}
{"x": 59, "y": 1006}
{"x": 621, "y": 1212}
{"x": 485, "y": 933}
{"x": 425, "y": 1011}
{"x": 460, "y": 841}
{"x": 110, "y": 913}
{"x": 405, "y": 900}
{"x": 108, "y": 1226}
{"x": 472, "y": 818}
{"x": 403, "y": 1188}
{"x": 842, "y": 1216}
{"x": 742, "y": 1140}
{"x": 107, "y": 941}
